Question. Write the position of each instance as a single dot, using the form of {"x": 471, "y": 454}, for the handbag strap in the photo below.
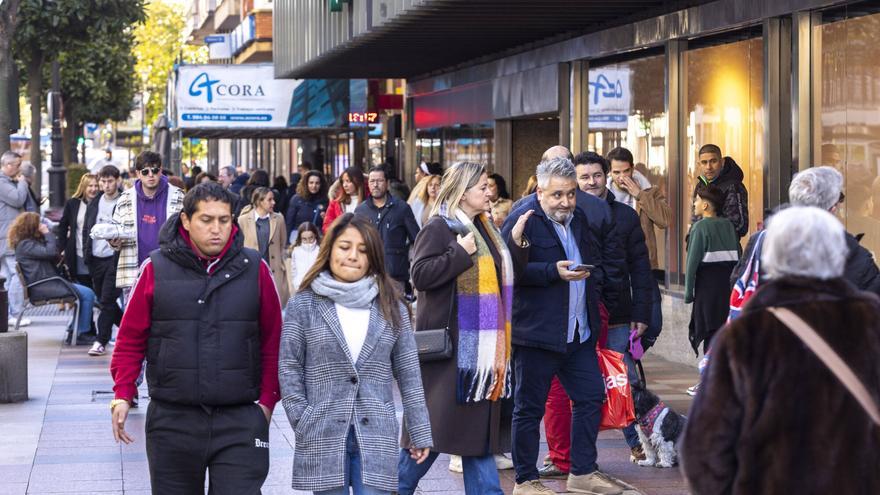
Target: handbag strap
{"x": 830, "y": 358}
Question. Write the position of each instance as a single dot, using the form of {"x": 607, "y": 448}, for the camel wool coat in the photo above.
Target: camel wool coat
{"x": 277, "y": 261}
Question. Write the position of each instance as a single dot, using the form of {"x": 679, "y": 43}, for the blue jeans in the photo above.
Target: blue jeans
{"x": 618, "y": 340}
{"x": 353, "y": 475}
{"x": 86, "y": 305}
{"x": 479, "y": 473}
{"x": 14, "y": 291}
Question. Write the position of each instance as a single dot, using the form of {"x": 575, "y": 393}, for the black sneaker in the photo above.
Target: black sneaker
{"x": 552, "y": 472}
{"x": 87, "y": 338}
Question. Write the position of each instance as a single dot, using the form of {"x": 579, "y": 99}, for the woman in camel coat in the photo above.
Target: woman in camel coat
{"x": 265, "y": 231}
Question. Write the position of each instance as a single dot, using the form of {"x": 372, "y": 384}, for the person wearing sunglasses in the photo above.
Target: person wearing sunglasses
{"x": 142, "y": 210}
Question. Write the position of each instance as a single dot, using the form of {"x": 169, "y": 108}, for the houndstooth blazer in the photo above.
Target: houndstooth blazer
{"x": 323, "y": 393}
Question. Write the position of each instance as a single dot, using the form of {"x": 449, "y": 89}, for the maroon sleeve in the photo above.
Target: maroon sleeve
{"x": 270, "y": 338}
{"x": 131, "y": 340}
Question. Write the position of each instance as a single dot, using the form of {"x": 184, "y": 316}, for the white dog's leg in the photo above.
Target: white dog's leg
{"x": 666, "y": 451}
{"x": 650, "y": 453}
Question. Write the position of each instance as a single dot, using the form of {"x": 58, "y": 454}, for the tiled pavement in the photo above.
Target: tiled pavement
{"x": 59, "y": 441}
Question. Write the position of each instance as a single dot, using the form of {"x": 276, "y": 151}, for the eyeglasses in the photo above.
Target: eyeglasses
{"x": 150, "y": 171}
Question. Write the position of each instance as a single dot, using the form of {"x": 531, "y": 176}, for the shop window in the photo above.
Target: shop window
{"x": 846, "y": 100}
{"x": 460, "y": 143}
{"x": 627, "y": 108}
{"x": 725, "y": 107}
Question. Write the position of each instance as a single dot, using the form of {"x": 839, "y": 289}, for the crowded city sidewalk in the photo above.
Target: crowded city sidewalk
{"x": 59, "y": 441}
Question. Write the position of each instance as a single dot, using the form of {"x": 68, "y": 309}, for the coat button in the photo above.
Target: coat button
{"x": 201, "y": 302}
{"x": 246, "y": 260}
{"x": 227, "y": 275}
{"x": 354, "y": 379}
{"x": 365, "y": 421}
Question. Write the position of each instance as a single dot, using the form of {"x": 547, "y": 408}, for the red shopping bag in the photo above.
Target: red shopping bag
{"x": 618, "y": 410}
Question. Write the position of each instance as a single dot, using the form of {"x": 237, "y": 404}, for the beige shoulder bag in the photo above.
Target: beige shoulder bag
{"x": 831, "y": 359}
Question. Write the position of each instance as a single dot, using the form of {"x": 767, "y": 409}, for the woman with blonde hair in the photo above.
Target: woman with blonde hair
{"x": 346, "y": 338}
{"x": 464, "y": 271}
{"x": 36, "y": 254}
{"x": 70, "y": 229}
{"x": 423, "y": 198}
{"x": 265, "y": 231}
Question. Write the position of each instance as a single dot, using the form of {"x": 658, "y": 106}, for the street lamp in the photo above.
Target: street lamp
{"x": 57, "y": 172}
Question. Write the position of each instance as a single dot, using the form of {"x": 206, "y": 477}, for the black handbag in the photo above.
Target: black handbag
{"x": 435, "y": 344}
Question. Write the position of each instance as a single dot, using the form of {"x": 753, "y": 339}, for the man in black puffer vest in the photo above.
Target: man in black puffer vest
{"x": 205, "y": 313}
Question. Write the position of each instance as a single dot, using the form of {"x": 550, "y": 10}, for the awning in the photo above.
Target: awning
{"x": 439, "y": 34}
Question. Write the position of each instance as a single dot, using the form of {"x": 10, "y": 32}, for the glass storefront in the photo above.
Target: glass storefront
{"x": 846, "y": 102}
{"x": 725, "y": 106}
{"x": 627, "y": 108}
{"x": 466, "y": 142}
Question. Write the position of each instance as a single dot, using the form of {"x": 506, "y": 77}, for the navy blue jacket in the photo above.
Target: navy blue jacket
{"x": 301, "y": 210}
{"x": 398, "y": 229}
{"x": 635, "y": 294}
{"x": 598, "y": 215}
{"x": 540, "y": 296}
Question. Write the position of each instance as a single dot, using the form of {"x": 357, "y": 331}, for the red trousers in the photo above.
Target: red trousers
{"x": 557, "y": 411}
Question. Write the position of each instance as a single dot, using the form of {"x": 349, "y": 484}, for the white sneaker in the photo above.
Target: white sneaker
{"x": 97, "y": 349}
{"x": 24, "y": 322}
{"x": 503, "y": 462}
{"x": 455, "y": 464}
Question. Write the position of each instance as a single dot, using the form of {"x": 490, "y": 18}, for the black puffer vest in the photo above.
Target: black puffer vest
{"x": 204, "y": 344}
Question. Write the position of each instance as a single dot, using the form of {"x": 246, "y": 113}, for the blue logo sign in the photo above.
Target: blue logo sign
{"x": 203, "y": 81}
{"x": 606, "y": 89}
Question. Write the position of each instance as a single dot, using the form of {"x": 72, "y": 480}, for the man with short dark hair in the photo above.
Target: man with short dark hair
{"x": 141, "y": 211}
{"x": 396, "y": 223}
{"x": 633, "y": 189}
{"x": 206, "y": 314}
{"x": 101, "y": 258}
{"x": 726, "y": 175}
{"x": 633, "y": 310}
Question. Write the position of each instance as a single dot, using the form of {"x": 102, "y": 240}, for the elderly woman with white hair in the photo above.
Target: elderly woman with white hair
{"x": 821, "y": 187}
{"x": 773, "y": 417}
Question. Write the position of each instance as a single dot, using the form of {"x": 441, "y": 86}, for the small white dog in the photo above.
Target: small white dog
{"x": 659, "y": 428}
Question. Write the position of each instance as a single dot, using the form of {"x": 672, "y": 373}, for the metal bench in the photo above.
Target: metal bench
{"x": 73, "y": 298}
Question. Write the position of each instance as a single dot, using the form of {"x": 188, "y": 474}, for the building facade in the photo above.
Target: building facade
{"x": 780, "y": 86}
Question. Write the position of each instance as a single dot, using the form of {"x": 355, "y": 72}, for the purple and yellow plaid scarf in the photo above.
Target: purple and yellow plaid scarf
{"x": 484, "y": 314}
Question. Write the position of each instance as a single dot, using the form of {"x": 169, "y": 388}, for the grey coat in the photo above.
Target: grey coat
{"x": 13, "y": 197}
{"x": 324, "y": 394}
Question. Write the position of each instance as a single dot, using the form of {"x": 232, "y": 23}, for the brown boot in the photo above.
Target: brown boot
{"x": 595, "y": 483}
{"x": 637, "y": 454}
{"x": 532, "y": 487}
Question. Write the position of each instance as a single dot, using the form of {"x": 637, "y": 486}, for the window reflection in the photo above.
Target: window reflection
{"x": 847, "y": 126}
{"x": 627, "y": 108}
{"x": 447, "y": 145}
{"x": 725, "y": 106}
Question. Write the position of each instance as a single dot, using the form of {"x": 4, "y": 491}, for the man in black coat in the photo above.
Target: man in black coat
{"x": 725, "y": 174}
{"x": 633, "y": 310}
{"x": 555, "y": 328}
{"x": 396, "y": 223}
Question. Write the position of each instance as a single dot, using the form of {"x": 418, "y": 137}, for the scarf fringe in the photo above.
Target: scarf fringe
{"x": 478, "y": 385}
